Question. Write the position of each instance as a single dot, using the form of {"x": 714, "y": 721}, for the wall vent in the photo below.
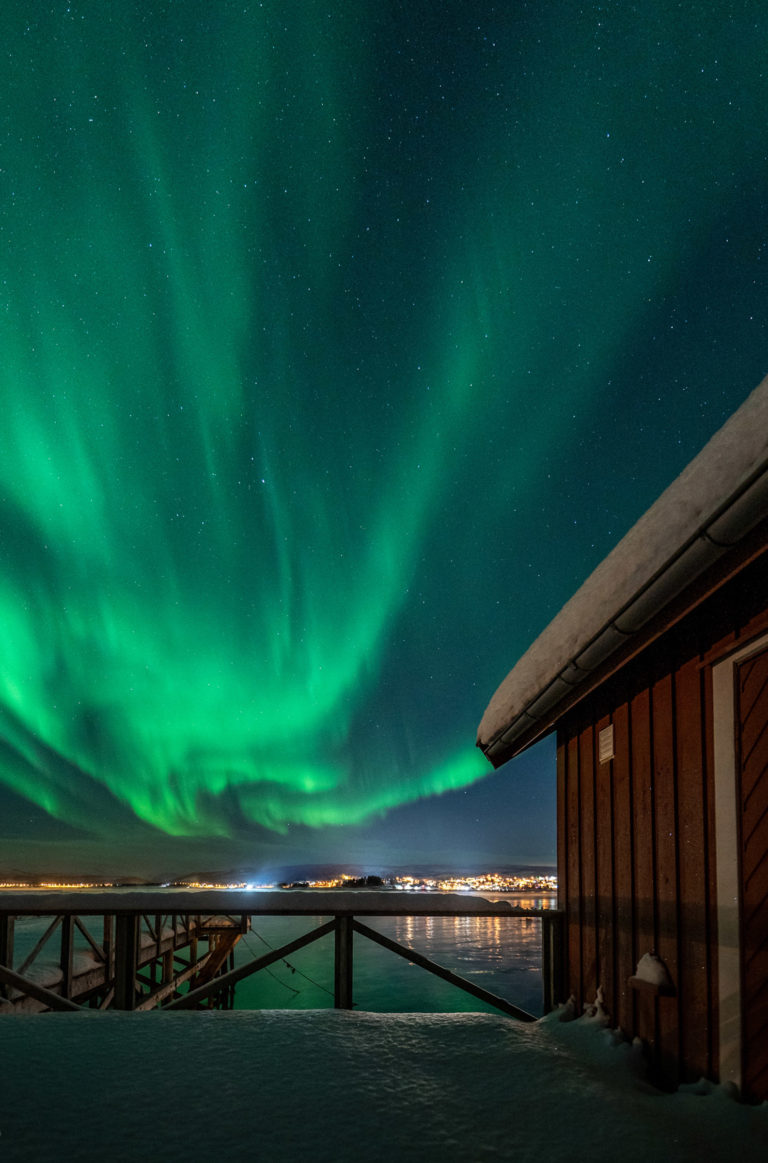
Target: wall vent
{"x": 605, "y": 744}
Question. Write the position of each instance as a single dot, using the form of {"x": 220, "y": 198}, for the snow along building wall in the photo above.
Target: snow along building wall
{"x": 648, "y": 860}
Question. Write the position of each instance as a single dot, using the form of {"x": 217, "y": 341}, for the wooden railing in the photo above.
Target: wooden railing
{"x": 143, "y": 955}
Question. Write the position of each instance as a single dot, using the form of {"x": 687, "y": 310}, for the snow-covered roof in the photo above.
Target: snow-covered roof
{"x": 713, "y": 504}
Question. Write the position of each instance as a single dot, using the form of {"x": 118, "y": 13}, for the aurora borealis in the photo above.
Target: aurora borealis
{"x": 339, "y": 342}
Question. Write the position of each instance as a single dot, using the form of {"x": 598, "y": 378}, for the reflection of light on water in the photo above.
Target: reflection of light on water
{"x": 517, "y": 901}
{"x": 503, "y": 954}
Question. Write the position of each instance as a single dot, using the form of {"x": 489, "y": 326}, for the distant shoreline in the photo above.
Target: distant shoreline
{"x": 388, "y": 882}
{"x": 70, "y": 886}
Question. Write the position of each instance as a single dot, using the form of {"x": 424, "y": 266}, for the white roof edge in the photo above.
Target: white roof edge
{"x": 732, "y": 465}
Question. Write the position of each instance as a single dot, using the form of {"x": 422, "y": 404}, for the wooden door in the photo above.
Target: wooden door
{"x": 752, "y": 739}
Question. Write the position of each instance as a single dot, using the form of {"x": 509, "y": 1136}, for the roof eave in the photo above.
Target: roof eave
{"x": 729, "y": 482}
{"x": 540, "y": 718}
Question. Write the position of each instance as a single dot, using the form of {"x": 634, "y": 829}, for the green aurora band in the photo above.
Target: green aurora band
{"x": 300, "y": 302}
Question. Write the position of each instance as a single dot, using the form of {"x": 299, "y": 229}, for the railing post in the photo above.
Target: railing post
{"x": 67, "y": 950}
{"x": 126, "y": 959}
{"x": 343, "y": 964}
{"x": 552, "y": 960}
{"x": 107, "y": 944}
{"x": 6, "y": 948}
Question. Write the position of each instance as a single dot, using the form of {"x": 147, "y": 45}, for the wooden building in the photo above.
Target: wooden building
{"x": 655, "y": 677}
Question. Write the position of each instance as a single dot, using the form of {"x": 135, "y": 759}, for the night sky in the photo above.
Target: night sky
{"x": 340, "y": 341}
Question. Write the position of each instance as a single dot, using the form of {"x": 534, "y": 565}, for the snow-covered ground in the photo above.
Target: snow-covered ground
{"x": 334, "y": 1086}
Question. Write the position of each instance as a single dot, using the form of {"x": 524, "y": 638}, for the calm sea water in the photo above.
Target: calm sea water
{"x": 501, "y": 954}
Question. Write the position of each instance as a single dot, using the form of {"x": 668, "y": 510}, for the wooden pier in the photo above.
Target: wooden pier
{"x": 130, "y": 960}
{"x": 127, "y": 951}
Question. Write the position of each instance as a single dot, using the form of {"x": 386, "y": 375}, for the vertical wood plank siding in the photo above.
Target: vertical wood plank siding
{"x": 573, "y": 874}
{"x": 752, "y": 695}
{"x": 641, "y": 826}
{"x": 666, "y": 867}
{"x": 587, "y": 838}
{"x": 604, "y": 870}
{"x": 690, "y": 780}
{"x": 624, "y": 868}
{"x": 636, "y": 834}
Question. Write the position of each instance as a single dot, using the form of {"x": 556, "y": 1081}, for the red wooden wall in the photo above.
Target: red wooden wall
{"x": 636, "y": 848}
{"x": 752, "y": 712}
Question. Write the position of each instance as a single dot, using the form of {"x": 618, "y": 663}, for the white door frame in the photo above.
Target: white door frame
{"x": 727, "y": 858}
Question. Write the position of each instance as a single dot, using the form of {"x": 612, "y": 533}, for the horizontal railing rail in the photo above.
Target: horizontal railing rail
{"x": 138, "y": 964}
